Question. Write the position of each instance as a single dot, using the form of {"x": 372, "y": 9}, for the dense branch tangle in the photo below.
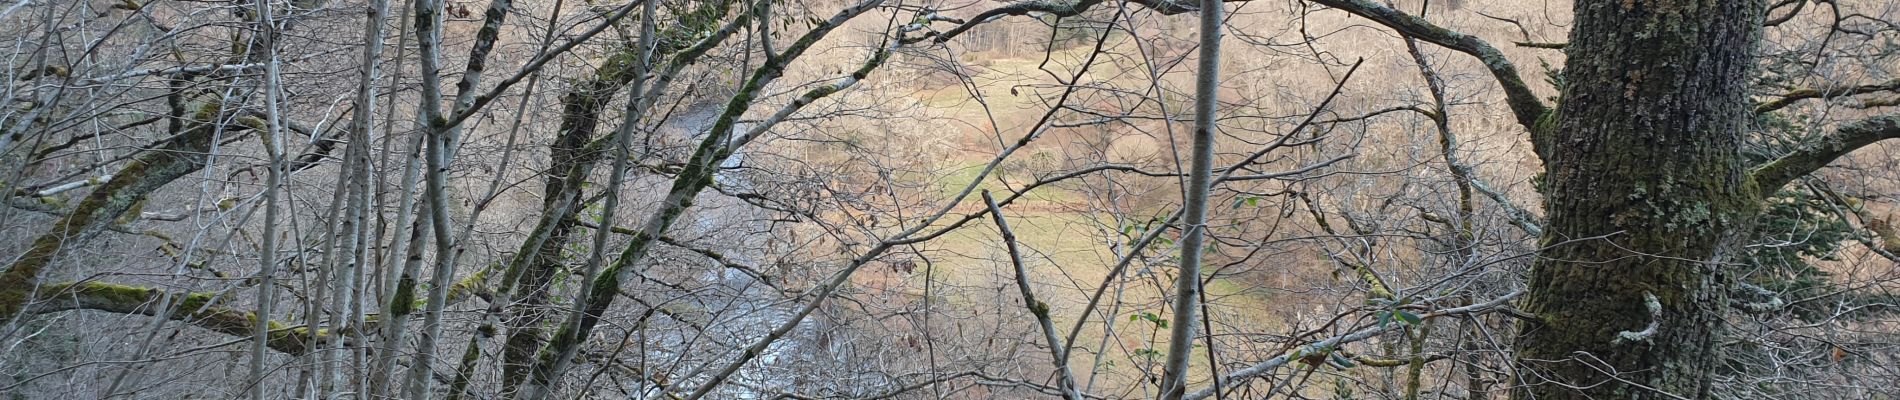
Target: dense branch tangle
{"x": 757, "y": 100}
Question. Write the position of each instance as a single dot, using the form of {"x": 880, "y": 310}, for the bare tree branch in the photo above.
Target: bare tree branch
{"x": 1798, "y": 95}
{"x": 1036, "y": 307}
{"x": 1770, "y": 177}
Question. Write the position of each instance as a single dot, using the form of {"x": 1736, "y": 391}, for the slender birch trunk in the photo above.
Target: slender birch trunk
{"x": 1187, "y": 286}
{"x": 356, "y": 183}
{"x": 274, "y": 145}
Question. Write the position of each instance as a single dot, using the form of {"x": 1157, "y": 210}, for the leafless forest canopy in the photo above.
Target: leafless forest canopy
{"x": 949, "y": 199}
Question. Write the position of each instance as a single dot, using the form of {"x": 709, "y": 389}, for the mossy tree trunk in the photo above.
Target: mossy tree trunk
{"x": 1647, "y": 195}
{"x": 571, "y": 161}
{"x": 576, "y": 150}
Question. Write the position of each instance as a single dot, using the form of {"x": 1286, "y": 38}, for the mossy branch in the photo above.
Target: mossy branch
{"x": 201, "y": 309}
{"x": 1811, "y": 156}
{"x": 180, "y": 156}
{"x": 1798, "y": 95}
{"x": 205, "y": 309}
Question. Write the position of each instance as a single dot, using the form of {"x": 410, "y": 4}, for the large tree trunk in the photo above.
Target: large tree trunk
{"x": 1647, "y": 196}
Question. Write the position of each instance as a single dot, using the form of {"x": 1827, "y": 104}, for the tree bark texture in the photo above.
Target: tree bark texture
{"x": 1647, "y": 193}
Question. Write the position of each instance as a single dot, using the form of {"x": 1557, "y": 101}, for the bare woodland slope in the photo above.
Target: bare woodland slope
{"x": 966, "y": 199}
